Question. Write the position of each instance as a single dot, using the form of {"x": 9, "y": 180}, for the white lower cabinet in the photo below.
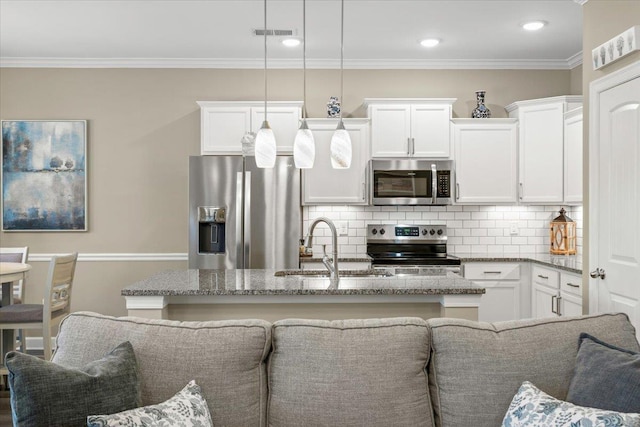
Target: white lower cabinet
{"x": 503, "y": 289}
{"x": 555, "y": 293}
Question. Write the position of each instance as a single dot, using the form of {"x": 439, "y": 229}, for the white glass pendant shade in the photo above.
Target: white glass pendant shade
{"x": 265, "y": 147}
{"x": 341, "y": 148}
{"x": 304, "y": 147}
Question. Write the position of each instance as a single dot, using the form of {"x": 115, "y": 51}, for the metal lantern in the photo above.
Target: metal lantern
{"x": 562, "y": 232}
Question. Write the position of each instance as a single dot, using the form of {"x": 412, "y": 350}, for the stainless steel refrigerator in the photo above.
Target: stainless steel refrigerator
{"x": 242, "y": 216}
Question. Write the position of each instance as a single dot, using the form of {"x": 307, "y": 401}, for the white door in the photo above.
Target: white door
{"x": 615, "y": 194}
{"x": 390, "y": 130}
{"x": 284, "y": 122}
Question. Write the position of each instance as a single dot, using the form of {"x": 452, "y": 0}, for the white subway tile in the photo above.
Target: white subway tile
{"x": 364, "y": 215}
{"x": 479, "y": 249}
{"x": 455, "y": 240}
{"x": 487, "y": 208}
{"x": 361, "y": 249}
{"x": 511, "y": 249}
{"x": 454, "y": 224}
{"x": 487, "y": 223}
{"x": 479, "y": 215}
{"x": 356, "y": 224}
{"x": 471, "y": 208}
{"x": 471, "y": 240}
{"x": 430, "y": 216}
{"x": 487, "y": 240}
{"x": 495, "y": 232}
{"x": 495, "y": 249}
{"x": 361, "y": 232}
{"x": 495, "y": 215}
{"x": 518, "y": 240}
{"x": 463, "y": 232}
{"x": 479, "y": 232}
{"x": 348, "y": 215}
{"x": 470, "y": 224}
{"x": 503, "y": 240}
{"x": 454, "y": 208}
{"x": 511, "y": 215}
{"x": 347, "y": 249}
{"x": 504, "y": 208}
{"x": 357, "y": 240}
{"x": 461, "y": 249}
{"x": 381, "y": 215}
{"x": 397, "y": 215}
{"x": 372, "y": 208}
{"x": 527, "y": 215}
{"x": 414, "y": 215}
{"x": 446, "y": 215}
{"x": 462, "y": 215}
{"x": 537, "y": 224}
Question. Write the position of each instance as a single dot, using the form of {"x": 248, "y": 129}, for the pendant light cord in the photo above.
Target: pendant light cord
{"x": 265, "y": 60}
{"x": 341, "y": 57}
{"x": 304, "y": 59}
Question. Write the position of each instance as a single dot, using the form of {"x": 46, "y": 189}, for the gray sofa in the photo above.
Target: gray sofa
{"x": 373, "y": 372}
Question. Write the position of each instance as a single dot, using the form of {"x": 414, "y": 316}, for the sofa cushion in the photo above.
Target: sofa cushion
{"x": 533, "y": 407}
{"x": 606, "y": 377}
{"x": 349, "y": 373}
{"x": 225, "y": 358}
{"x": 45, "y": 393}
{"x": 476, "y": 368}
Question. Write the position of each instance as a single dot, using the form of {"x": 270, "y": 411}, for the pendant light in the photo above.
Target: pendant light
{"x": 265, "y": 147}
{"x": 304, "y": 146}
{"x": 341, "y": 141}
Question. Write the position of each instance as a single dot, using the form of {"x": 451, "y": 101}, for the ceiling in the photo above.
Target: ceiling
{"x": 219, "y": 33}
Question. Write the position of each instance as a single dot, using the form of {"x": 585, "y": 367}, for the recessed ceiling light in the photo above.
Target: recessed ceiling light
{"x": 429, "y": 42}
{"x": 291, "y": 42}
{"x": 533, "y": 25}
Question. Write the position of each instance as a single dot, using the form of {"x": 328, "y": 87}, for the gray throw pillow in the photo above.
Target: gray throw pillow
{"x": 46, "y": 394}
{"x": 606, "y": 377}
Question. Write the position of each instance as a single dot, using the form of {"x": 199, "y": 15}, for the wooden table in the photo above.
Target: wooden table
{"x": 10, "y": 272}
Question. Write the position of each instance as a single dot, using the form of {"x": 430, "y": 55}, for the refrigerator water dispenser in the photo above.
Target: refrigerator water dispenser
{"x": 211, "y": 230}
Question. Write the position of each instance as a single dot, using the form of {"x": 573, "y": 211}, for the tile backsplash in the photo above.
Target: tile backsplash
{"x": 474, "y": 229}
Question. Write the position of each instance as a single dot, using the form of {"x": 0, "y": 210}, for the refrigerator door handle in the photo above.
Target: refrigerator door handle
{"x": 239, "y": 248}
{"x": 247, "y": 220}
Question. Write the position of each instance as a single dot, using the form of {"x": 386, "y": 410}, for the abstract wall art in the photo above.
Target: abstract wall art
{"x": 44, "y": 180}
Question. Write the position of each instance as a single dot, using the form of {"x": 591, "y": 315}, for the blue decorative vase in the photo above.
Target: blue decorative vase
{"x": 481, "y": 111}
{"x": 333, "y": 107}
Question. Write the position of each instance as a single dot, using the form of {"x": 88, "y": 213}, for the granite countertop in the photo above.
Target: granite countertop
{"x": 571, "y": 263}
{"x": 263, "y": 282}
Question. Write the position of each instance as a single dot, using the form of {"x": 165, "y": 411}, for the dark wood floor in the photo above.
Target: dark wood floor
{"x": 5, "y": 408}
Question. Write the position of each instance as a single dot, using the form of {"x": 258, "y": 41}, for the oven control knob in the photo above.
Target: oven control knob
{"x": 382, "y": 231}
{"x": 374, "y": 231}
{"x": 432, "y": 231}
{"x": 424, "y": 231}
{"x": 440, "y": 232}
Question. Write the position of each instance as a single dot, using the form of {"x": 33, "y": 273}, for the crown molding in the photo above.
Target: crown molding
{"x": 580, "y": 2}
{"x": 239, "y": 63}
{"x": 575, "y": 60}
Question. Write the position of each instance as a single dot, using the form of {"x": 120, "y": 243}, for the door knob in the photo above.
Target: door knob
{"x": 598, "y": 272}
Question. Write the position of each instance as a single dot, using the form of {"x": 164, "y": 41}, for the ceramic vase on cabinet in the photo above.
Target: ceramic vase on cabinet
{"x": 333, "y": 107}
{"x": 481, "y": 111}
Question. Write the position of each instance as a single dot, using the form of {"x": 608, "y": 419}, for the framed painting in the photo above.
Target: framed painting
{"x": 44, "y": 179}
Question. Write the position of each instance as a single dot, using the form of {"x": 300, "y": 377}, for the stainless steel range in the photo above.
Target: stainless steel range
{"x": 411, "y": 249}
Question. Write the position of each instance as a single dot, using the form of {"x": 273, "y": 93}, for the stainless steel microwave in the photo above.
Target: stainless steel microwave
{"x": 411, "y": 182}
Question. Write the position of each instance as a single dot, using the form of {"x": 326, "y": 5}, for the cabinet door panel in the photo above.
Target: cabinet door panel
{"x": 486, "y": 159}
{"x": 430, "y": 131}
{"x": 284, "y": 122}
{"x": 223, "y": 128}
{"x": 570, "y": 305}
{"x": 500, "y": 302}
{"x": 544, "y": 303}
{"x": 573, "y": 158}
{"x": 324, "y": 185}
{"x": 391, "y": 129}
{"x": 541, "y": 153}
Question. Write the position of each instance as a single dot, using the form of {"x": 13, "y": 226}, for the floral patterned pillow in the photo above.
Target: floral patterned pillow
{"x": 187, "y": 408}
{"x": 532, "y": 407}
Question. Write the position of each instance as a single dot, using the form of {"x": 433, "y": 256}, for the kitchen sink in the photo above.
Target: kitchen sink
{"x": 342, "y": 273}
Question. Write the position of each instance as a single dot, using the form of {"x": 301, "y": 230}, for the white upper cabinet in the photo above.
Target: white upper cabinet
{"x": 410, "y": 127}
{"x": 573, "y": 156}
{"x": 486, "y": 160}
{"x": 541, "y": 142}
{"x": 323, "y": 184}
{"x": 223, "y": 123}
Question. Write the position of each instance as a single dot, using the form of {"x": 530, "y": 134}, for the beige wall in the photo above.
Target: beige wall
{"x": 602, "y": 20}
{"x": 576, "y": 80}
{"x": 144, "y": 123}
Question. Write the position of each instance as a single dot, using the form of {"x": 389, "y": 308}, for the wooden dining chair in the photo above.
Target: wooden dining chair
{"x": 57, "y": 303}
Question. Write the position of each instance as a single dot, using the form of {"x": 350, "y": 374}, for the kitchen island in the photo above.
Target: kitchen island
{"x": 216, "y": 294}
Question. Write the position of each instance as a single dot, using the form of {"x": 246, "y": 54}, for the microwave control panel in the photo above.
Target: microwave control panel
{"x": 444, "y": 183}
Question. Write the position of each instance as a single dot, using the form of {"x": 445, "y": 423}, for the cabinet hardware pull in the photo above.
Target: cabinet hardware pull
{"x": 553, "y": 305}
{"x": 543, "y": 277}
{"x": 521, "y": 191}
{"x": 558, "y": 305}
{"x": 409, "y": 146}
{"x": 363, "y": 190}
{"x": 413, "y": 146}
{"x": 457, "y": 191}
{"x": 572, "y": 285}
{"x": 493, "y": 272}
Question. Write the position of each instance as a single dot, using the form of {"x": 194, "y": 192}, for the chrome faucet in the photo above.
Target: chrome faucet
{"x": 332, "y": 265}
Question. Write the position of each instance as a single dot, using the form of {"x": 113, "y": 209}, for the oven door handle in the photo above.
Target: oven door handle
{"x": 434, "y": 183}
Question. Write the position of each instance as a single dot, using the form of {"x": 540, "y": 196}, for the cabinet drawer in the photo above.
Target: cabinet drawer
{"x": 492, "y": 271}
{"x": 571, "y": 284}
{"x": 545, "y": 276}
